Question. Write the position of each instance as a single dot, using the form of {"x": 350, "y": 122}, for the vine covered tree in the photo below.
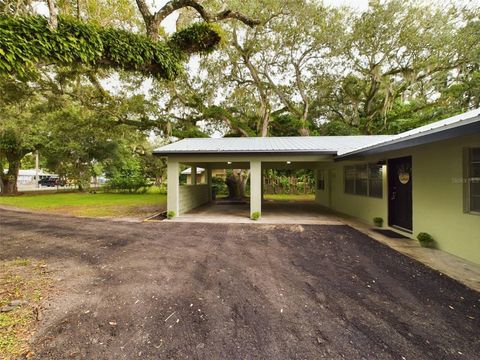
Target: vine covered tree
{"x": 313, "y": 69}
{"x": 80, "y": 43}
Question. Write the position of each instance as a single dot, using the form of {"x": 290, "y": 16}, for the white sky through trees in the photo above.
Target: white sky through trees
{"x": 361, "y": 5}
{"x": 113, "y": 83}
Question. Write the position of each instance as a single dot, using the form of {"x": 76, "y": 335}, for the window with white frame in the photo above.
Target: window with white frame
{"x": 364, "y": 179}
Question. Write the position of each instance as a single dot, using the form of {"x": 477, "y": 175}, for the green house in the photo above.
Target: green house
{"x": 423, "y": 180}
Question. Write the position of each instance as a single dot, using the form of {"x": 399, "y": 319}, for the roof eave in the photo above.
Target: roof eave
{"x": 256, "y": 152}
{"x": 439, "y": 134}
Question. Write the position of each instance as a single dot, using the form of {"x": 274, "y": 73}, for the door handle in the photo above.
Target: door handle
{"x": 394, "y": 195}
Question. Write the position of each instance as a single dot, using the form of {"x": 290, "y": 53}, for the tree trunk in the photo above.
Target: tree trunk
{"x": 9, "y": 180}
{"x": 303, "y": 131}
{"x": 237, "y": 183}
{"x": 153, "y": 28}
{"x": 265, "y": 121}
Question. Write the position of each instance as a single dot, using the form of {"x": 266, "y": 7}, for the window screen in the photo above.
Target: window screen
{"x": 474, "y": 179}
{"x": 350, "y": 179}
{"x": 365, "y": 179}
{"x": 361, "y": 180}
{"x": 375, "y": 184}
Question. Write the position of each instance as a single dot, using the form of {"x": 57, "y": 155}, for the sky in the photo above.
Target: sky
{"x": 169, "y": 23}
{"x": 358, "y": 4}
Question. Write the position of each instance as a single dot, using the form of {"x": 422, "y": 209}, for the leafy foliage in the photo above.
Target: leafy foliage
{"x": 199, "y": 37}
{"x": 126, "y": 172}
{"x": 319, "y": 70}
{"x": 27, "y": 41}
{"x": 255, "y": 215}
{"x": 219, "y": 185}
{"x": 289, "y": 181}
{"x": 128, "y": 182}
{"x": 425, "y": 239}
{"x": 10, "y": 140}
{"x": 22, "y": 129}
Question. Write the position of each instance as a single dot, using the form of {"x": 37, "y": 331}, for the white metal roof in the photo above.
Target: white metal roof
{"x": 29, "y": 172}
{"x": 292, "y": 144}
{"x": 341, "y": 146}
{"x": 455, "y": 122}
{"x": 188, "y": 171}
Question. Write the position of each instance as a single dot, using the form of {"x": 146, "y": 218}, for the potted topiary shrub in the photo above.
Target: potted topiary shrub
{"x": 425, "y": 239}
{"x": 378, "y": 221}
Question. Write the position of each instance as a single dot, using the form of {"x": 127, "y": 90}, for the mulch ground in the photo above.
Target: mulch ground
{"x": 219, "y": 291}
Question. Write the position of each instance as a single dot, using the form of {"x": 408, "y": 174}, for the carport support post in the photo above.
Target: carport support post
{"x": 255, "y": 187}
{"x": 209, "y": 183}
{"x": 173, "y": 187}
{"x": 193, "y": 175}
{"x": 263, "y": 183}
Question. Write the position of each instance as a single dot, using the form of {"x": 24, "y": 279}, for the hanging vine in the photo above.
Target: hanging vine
{"x": 27, "y": 42}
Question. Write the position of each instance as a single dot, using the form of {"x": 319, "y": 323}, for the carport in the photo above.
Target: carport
{"x": 185, "y": 198}
{"x": 254, "y": 154}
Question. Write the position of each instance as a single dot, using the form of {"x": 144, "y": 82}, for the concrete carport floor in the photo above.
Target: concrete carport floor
{"x": 195, "y": 200}
{"x": 273, "y": 212}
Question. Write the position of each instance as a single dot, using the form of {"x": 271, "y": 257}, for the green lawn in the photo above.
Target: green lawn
{"x": 290, "y": 197}
{"x": 109, "y": 204}
{"x": 87, "y": 204}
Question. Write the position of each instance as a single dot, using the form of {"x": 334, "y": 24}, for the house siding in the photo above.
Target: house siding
{"x": 192, "y": 196}
{"x": 334, "y": 197}
{"x": 438, "y": 195}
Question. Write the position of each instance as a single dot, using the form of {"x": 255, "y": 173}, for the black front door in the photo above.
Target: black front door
{"x": 400, "y": 193}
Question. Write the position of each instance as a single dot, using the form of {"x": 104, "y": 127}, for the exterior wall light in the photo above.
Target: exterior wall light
{"x": 289, "y": 162}
{"x": 229, "y": 163}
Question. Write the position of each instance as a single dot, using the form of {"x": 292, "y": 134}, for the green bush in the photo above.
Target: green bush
{"x": 425, "y": 239}
{"x": 300, "y": 186}
{"x": 378, "y": 221}
{"x": 170, "y": 214}
{"x": 154, "y": 189}
{"x": 219, "y": 185}
{"x": 133, "y": 183}
{"x": 255, "y": 215}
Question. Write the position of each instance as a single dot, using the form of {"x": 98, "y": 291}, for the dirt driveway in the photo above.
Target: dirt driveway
{"x": 216, "y": 291}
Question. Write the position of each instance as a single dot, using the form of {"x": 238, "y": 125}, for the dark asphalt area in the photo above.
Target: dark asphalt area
{"x": 236, "y": 291}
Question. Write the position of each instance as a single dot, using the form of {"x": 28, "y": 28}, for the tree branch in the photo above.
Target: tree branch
{"x": 52, "y": 8}
{"x": 174, "y": 5}
{"x": 152, "y": 21}
{"x": 95, "y": 82}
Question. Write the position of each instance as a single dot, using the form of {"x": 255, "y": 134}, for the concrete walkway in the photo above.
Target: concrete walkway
{"x": 309, "y": 213}
{"x": 464, "y": 271}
